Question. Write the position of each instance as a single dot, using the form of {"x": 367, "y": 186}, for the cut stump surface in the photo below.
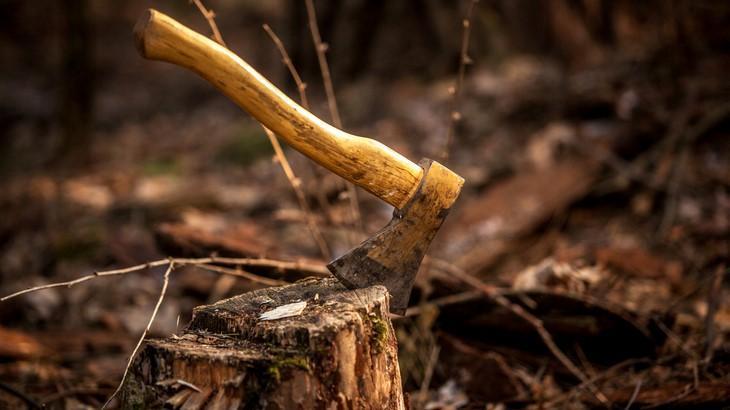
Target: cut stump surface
{"x": 339, "y": 352}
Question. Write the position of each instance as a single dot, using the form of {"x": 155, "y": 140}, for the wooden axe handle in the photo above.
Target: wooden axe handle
{"x": 363, "y": 161}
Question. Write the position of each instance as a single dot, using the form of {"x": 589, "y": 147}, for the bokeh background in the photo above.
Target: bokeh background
{"x": 593, "y": 138}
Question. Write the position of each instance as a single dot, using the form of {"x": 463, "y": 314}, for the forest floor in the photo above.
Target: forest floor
{"x": 598, "y": 200}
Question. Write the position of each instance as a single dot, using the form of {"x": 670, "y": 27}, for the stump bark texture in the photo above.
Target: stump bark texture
{"x": 339, "y": 352}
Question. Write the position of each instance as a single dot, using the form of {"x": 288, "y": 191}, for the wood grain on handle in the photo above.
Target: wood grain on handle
{"x": 363, "y": 161}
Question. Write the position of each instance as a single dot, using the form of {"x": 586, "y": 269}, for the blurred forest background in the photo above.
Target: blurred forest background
{"x": 593, "y": 135}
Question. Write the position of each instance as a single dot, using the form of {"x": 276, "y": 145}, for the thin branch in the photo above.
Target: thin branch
{"x": 210, "y": 17}
{"x": 76, "y": 281}
{"x": 301, "y": 85}
{"x": 440, "y": 302}
{"x": 307, "y": 267}
{"x": 634, "y": 395}
{"x": 536, "y": 323}
{"x": 321, "y": 49}
{"x": 428, "y": 374}
{"x": 163, "y": 291}
{"x": 555, "y": 401}
{"x": 296, "y": 185}
{"x": 690, "y": 353}
{"x": 242, "y": 274}
{"x": 32, "y": 404}
{"x": 631, "y": 170}
{"x": 455, "y": 90}
{"x": 171, "y": 264}
{"x": 713, "y": 303}
{"x": 683, "y": 140}
{"x": 280, "y": 156}
{"x": 324, "y": 67}
{"x": 302, "y": 88}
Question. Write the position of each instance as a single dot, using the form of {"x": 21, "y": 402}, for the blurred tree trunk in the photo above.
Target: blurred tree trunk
{"x": 528, "y": 26}
{"x": 76, "y": 99}
{"x": 376, "y": 37}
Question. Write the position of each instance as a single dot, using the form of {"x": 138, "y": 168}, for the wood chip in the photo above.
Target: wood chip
{"x": 289, "y": 310}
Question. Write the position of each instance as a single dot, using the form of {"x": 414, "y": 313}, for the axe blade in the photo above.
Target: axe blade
{"x": 393, "y": 255}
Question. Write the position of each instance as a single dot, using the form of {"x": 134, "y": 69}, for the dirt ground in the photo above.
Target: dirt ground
{"x": 597, "y": 196}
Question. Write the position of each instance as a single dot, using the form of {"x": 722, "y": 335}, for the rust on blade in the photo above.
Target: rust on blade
{"x": 392, "y": 256}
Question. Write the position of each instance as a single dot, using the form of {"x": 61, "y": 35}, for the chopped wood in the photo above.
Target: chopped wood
{"x": 292, "y": 309}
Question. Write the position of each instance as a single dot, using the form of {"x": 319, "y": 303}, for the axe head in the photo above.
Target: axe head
{"x": 392, "y": 256}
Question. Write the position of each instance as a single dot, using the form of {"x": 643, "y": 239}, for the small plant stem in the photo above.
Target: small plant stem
{"x": 321, "y": 49}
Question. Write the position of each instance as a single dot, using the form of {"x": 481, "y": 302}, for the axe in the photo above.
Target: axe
{"x": 422, "y": 194}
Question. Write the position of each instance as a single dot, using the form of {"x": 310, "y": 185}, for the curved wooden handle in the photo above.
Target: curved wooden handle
{"x": 363, "y": 161}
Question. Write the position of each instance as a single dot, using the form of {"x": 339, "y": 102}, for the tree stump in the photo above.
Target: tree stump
{"x": 339, "y": 352}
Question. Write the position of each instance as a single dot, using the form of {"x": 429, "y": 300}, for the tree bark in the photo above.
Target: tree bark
{"x": 340, "y": 352}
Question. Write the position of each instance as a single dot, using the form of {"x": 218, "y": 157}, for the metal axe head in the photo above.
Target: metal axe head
{"x": 393, "y": 255}
{"x": 422, "y": 195}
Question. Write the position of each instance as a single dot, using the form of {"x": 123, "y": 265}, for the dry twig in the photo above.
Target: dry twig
{"x": 428, "y": 374}
{"x": 321, "y": 49}
{"x": 307, "y": 267}
{"x": 296, "y": 185}
{"x": 29, "y": 402}
{"x": 76, "y": 281}
{"x": 301, "y": 85}
{"x": 210, "y": 17}
{"x": 242, "y": 274}
{"x": 316, "y": 269}
{"x": 439, "y": 302}
{"x": 634, "y": 395}
{"x": 713, "y": 304}
{"x": 280, "y": 156}
{"x": 163, "y": 291}
{"x": 204, "y": 263}
{"x": 683, "y": 138}
{"x": 302, "y": 89}
{"x": 536, "y": 323}
{"x": 455, "y": 90}
{"x": 556, "y": 401}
